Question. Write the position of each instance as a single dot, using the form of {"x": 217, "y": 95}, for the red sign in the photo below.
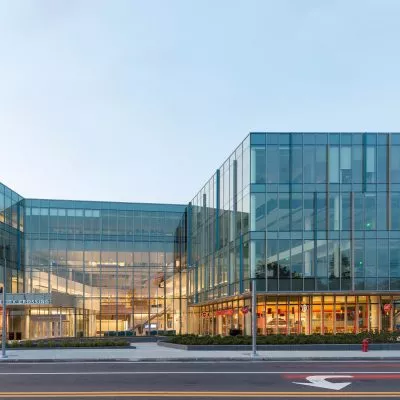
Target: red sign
{"x": 387, "y": 307}
{"x": 245, "y": 310}
{"x": 224, "y": 312}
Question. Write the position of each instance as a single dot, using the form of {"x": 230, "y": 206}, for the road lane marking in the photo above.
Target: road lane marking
{"x": 200, "y": 394}
{"x": 286, "y": 374}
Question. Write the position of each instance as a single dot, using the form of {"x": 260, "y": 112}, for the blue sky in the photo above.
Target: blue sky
{"x": 143, "y": 100}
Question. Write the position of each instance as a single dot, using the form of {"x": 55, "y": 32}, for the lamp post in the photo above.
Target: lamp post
{"x": 4, "y": 331}
{"x": 254, "y": 318}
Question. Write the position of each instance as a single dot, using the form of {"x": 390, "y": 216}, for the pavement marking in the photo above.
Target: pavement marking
{"x": 216, "y": 361}
{"x": 320, "y": 381}
{"x": 200, "y": 394}
{"x": 286, "y": 374}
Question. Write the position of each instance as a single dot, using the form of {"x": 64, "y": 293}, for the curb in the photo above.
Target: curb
{"x": 72, "y": 348}
{"x": 258, "y": 359}
{"x": 61, "y": 360}
{"x": 196, "y": 359}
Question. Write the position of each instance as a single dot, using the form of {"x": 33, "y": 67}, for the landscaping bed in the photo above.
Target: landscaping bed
{"x": 373, "y": 337}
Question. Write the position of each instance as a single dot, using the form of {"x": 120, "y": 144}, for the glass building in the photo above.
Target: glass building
{"x": 311, "y": 221}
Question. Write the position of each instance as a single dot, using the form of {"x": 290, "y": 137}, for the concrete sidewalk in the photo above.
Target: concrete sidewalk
{"x": 150, "y": 352}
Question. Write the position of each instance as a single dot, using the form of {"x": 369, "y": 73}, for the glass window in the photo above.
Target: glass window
{"x": 272, "y": 212}
{"x": 395, "y": 138}
{"x": 272, "y": 258}
{"x": 309, "y": 138}
{"x": 320, "y": 164}
{"x": 345, "y": 164}
{"x": 322, "y": 258}
{"x": 381, "y": 211}
{"x": 297, "y": 164}
{"x": 284, "y": 258}
{"x": 257, "y": 138}
{"x": 272, "y": 164}
{"x": 272, "y": 138}
{"x": 309, "y": 164}
{"x": 345, "y": 258}
{"x": 370, "y": 138}
{"x": 334, "y": 138}
{"x": 383, "y": 257}
{"x": 358, "y": 211}
{"x": 308, "y": 211}
{"x": 395, "y": 211}
{"x": 334, "y": 259}
{"x": 357, "y": 164}
{"x": 395, "y": 257}
{"x": 359, "y": 246}
{"x": 284, "y": 164}
{"x": 284, "y": 138}
{"x": 321, "y": 211}
{"x": 258, "y": 164}
{"x": 333, "y": 164}
{"x": 334, "y": 211}
{"x": 370, "y": 257}
{"x": 284, "y": 212}
{"x": 370, "y": 165}
{"x": 345, "y": 212}
{"x": 381, "y": 164}
{"x": 321, "y": 138}
{"x": 382, "y": 139}
{"x": 395, "y": 164}
{"x": 258, "y": 208}
{"x": 345, "y": 138}
{"x": 297, "y": 212}
{"x": 297, "y": 258}
{"x": 370, "y": 211}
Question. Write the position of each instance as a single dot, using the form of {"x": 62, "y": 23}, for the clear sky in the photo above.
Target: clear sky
{"x": 143, "y": 100}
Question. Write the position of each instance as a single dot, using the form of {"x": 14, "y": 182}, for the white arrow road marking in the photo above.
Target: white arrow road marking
{"x": 320, "y": 381}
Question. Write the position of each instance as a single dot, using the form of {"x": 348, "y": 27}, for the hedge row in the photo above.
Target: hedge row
{"x": 384, "y": 337}
{"x": 68, "y": 343}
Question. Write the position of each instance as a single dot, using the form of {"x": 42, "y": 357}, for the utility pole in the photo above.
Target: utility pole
{"x": 4, "y": 332}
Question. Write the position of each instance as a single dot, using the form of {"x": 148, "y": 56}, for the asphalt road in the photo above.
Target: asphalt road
{"x": 201, "y": 380}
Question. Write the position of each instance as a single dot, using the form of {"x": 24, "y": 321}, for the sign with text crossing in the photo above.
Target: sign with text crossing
{"x": 27, "y": 298}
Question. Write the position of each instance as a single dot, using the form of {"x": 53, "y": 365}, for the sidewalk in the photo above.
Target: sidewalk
{"x": 150, "y": 352}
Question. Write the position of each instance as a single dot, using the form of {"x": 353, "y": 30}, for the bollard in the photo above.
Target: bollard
{"x": 364, "y": 345}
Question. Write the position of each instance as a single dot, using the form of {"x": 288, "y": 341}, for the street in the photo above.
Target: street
{"x": 78, "y": 380}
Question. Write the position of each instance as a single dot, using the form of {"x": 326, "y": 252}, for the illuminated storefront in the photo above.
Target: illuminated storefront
{"x": 293, "y": 315}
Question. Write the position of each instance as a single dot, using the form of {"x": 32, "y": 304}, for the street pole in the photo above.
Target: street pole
{"x": 254, "y": 318}
{"x": 4, "y": 332}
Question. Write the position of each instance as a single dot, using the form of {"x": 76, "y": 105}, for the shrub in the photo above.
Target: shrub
{"x": 374, "y": 337}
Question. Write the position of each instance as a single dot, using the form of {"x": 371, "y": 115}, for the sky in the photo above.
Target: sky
{"x": 141, "y": 101}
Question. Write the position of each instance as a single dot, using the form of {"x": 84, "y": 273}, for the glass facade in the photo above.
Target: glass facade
{"x": 320, "y": 214}
{"x": 311, "y": 221}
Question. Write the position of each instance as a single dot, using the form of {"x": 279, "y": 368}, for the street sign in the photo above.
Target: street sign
{"x": 27, "y": 298}
{"x": 320, "y": 381}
